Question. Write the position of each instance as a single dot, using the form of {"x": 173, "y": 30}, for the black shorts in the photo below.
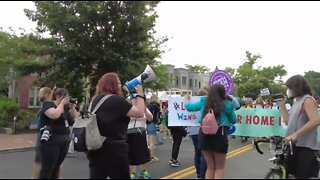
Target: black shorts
{"x": 303, "y": 163}
{"x": 216, "y": 143}
{"x": 138, "y": 149}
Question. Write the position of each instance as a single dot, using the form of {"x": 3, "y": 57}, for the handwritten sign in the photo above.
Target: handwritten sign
{"x": 265, "y": 92}
{"x": 178, "y": 115}
{"x": 223, "y": 78}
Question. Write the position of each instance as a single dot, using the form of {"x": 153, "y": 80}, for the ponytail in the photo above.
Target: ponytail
{"x": 51, "y": 94}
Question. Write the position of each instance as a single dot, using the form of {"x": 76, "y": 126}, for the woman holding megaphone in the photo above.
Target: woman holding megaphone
{"x": 113, "y": 117}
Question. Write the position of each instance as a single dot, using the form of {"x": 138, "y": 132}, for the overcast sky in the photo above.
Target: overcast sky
{"x": 219, "y": 33}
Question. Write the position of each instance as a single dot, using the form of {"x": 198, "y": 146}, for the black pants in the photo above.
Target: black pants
{"x": 303, "y": 163}
{"x": 52, "y": 155}
{"x": 117, "y": 171}
{"x": 199, "y": 161}
{"x": 111, "y": 160}
{"x": 177, "y": 136}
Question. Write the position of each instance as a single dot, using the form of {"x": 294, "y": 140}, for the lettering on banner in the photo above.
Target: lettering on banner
{"x": 263, "y": 120}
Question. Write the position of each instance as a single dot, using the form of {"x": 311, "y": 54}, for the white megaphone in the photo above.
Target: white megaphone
{"x": 147, "y": 76}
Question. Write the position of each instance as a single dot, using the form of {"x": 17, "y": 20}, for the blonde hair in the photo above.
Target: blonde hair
{"x": 51, "y": 94}
{"x": 154, "y": 98}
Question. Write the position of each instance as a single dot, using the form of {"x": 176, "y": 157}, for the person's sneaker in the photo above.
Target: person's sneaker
{"x": 160, "y": 143}
{"x": 171, "y": 161}
{"x": 154, "y": 159}
{"x": 132, "y": 176}
{"x": 145, "y": 174}
{"x": 175, "y": 164}
{"x": 71, "y": 155}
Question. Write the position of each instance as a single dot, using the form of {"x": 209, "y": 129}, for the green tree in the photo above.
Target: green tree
{"x": 198, "y": 68}
{"x": 96, "y": 37}
{"x": 231, "y": 71}
{"x": 15, "y": 50}
{"x": 249, "y": 79}
{"x": 314, "y": 80}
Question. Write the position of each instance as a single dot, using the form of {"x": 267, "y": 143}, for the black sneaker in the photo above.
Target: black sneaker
{"x": 171, "y": 161}
{"x": 175, "y": 164}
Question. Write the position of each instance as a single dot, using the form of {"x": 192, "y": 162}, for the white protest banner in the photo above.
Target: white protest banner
{"x": 178, "y": 115}
{"x": 265, "y": 92}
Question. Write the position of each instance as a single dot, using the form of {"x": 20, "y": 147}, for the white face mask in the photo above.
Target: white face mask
{"x": 289, "y": 93}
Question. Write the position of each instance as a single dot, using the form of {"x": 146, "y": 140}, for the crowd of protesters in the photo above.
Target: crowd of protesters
{"x": 130, "y": 127}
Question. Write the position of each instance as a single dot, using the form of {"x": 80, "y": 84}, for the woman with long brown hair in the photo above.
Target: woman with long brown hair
{"x": 215, "y": 147}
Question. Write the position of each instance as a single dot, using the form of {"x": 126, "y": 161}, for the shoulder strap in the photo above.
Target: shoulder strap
{"x": 99, "y": 104}
{"x": 135, "y": 121}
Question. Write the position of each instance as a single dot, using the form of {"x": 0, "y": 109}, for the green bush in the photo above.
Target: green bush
{"x": 8, "y": 109}
{"x": 25, "y": 118}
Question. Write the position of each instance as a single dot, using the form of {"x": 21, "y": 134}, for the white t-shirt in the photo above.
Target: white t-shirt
{"x": 138, "y": 122}
{"x": 275, "y": 106}
{"x": 288, "y": 107}
{"x": 259, "y": 106}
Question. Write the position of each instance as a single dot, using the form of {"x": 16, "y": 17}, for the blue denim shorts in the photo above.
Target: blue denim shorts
{"x": 152, "y": 129}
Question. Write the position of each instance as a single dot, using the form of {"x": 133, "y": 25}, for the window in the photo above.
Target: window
{"x": 184, "y": 80}
{"x": 177, "y": 80}
{"x": 199, "y": 84}
{"x": 33, "y": 97}
{"x": 195, "y": 83}
{"x": 190, "y": 82}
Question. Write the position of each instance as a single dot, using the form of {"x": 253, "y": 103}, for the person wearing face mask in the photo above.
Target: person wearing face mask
{"x": 55, "y": 133}
{"x": 303, "y": 121}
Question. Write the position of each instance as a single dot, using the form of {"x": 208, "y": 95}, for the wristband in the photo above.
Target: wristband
{"x": 143, "y": 97}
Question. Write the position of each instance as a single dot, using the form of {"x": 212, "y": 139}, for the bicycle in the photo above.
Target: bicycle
{"x": 279, "y": 170}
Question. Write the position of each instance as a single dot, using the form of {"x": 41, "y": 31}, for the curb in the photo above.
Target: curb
{"x": 5, "y": 151}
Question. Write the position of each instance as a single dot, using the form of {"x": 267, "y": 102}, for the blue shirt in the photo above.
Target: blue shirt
{"x": 38, "y": 125}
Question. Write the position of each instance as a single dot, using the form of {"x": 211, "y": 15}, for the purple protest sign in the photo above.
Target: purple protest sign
{"x": 223, "y": 78}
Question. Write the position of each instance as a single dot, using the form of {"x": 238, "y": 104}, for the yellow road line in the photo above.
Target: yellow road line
{"x": 191, "y": 170}
{"x": 239, "y": 152}
{"x": 177, "y": 173}
{"x": 186, "y": 174}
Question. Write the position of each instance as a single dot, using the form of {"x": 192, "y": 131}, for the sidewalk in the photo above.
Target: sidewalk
{"x": 18, "y": 142}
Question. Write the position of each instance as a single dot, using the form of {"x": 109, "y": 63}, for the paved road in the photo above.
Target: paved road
{"x": 246, "y": 164}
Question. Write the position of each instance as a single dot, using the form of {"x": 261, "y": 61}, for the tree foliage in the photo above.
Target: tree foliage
{"x": 249, "y": 79}
{"x": 92, "y": 38}
{"x": 314, "y": 80}
{"x": 16, "y": 50}
{"x": 198, "y": 68}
